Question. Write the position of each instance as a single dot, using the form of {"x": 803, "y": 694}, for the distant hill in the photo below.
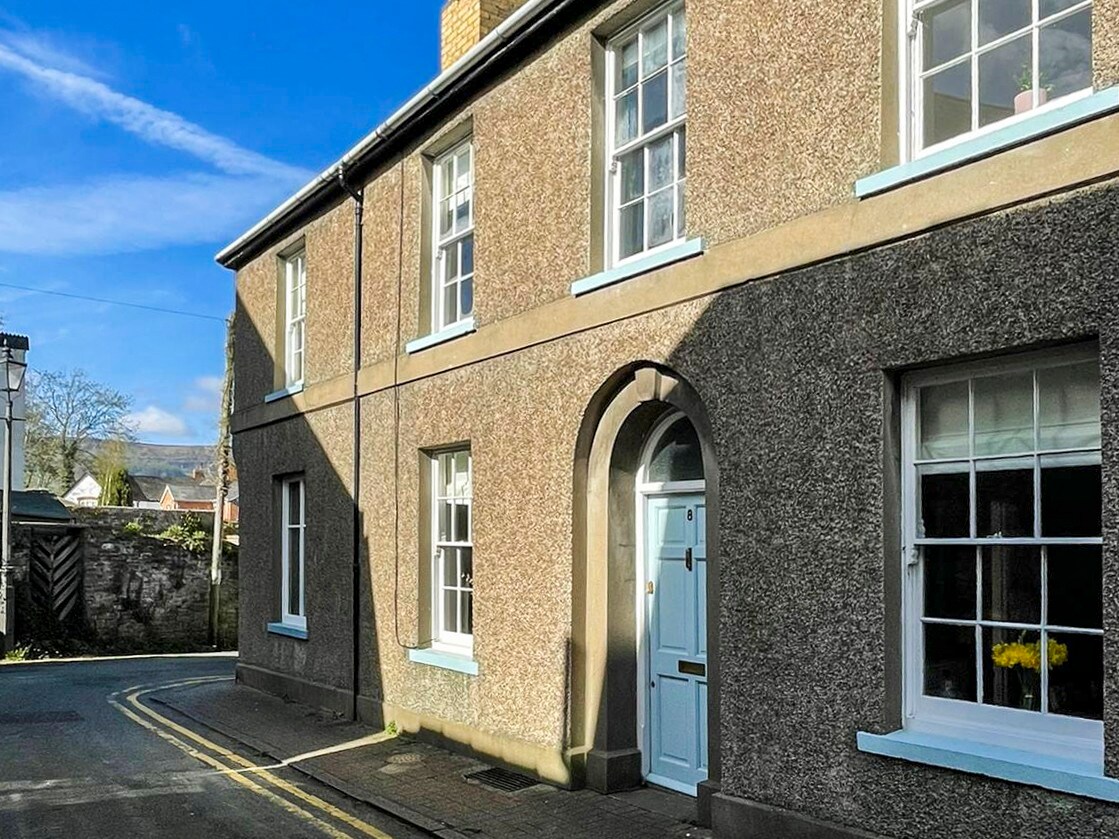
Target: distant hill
{"x": 165, "y": 461}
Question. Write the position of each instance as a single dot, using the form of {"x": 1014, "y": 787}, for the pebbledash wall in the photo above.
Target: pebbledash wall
{"x": 139, "y": 592}
{"x": 789, "y": 333}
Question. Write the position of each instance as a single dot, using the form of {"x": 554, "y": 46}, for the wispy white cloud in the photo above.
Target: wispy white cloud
{"x": 205, "y": 398}
{"x": 148, "y": 122}
{"x": 45, "y": 49}
{"x": 116, "y": 213}
{"x": 156, "y": 422}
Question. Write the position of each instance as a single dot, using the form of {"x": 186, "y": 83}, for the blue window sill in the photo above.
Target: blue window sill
{"x": 447, "y": 661}
{"x": 284, "y": 393}
{"x": 1068, "y": 776}
{"x": 684, "y": 250}
{"x": 985, "y": 145}
{"x": 289, "y": 631}
{"x": 463, "y": 327}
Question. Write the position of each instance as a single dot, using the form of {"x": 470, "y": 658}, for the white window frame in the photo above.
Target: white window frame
{"x": 443, "y": 243}
{"x": 911, "y": 75}
{"x": 675, "y": 126}
{"x": 295, "y": 317}
{"x": 287, "y": 617}
{"x": 1051, "y": 735}
{"x": 458, "y": 642}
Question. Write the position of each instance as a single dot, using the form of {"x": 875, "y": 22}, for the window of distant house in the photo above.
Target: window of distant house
{"x": 452, "y": 295}
{"x": 453, "y": 560}
{"x": 292, "y": 551}
{"x": 646, "y": 73}
{"x": 1002, "y": 518}
{"x": 295, "y": 317}
{"x": 978, "y": 63}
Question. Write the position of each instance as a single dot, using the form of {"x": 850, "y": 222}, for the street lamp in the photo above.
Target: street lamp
{"x": 12, "y": 371}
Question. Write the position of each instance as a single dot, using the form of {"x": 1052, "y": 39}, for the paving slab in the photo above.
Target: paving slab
{"x": 420, "y": 783}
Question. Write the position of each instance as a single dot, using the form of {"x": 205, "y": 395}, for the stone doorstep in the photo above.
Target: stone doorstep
{"x": 385, "y": 805}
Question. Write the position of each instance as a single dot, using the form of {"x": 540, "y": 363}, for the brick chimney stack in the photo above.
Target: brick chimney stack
{"x": 466, "y": 22}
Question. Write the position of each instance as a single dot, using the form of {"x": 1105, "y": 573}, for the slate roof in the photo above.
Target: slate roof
{"x": 37, "y": 505}
{"x": 146, "y": 487}
{"x": 191, "y": 491}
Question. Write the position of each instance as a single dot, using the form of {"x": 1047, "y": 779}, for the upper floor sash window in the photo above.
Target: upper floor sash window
{"x": 646, "y": 81}
{"x": 295, "y": 317}
{"x": 976, "y": 64}
{"x": 452, "y": 294}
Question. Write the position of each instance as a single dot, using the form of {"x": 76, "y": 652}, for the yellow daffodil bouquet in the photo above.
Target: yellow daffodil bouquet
{"x": 1028, "y": 656}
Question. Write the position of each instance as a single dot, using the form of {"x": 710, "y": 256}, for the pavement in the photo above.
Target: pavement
{"x": 79, "y": 759}
{"x": 417, "y": 783}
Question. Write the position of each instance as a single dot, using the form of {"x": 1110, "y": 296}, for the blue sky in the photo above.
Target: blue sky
{"x": 139, "y": 138}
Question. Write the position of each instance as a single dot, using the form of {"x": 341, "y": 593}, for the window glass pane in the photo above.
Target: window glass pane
{"x": 947, "y": 104}
{"x": 680, "y": 209}
{"x": 1076, "y": 675}
{"x": 447, "y": 474}
{"x": 1051, "y": 7}
{"x": 1075, "y": 577}
{"x": 943, "y": 421}
{"x": 467, "y": 255}
{"x": 1001, "y": 17}
{"x": 944, "y": 501}
{"x": 295, "y": 503}
{"x": 450, "y": 304}
{"x": 677, "y": 456}
{"x": 660, "y": 163}
{"x": 947, "y": 32}
{"x": 625, "y": 119}
{"x": 450, "y": 262}
{"x": 1004, "y": 503}
{"x": 950, "y": 661}
{"x": 1004, "y": 72}
{"x": 447, "y": 179}
{"x": 633, "y": 175}
{"x": 1069, "y": 406}
{"x": 466, "y": 295}
{"x": 679, "y": 88}
{"x": 1012, "y": 668}
{"x": 679, "y": 34}
{"x": 295, "y": 581}
{"x": 654, "y": 102}
{"x": 466, "y": 607}
{"x": 466, "y": 567}
{"x": 1071, "y": 501}
{"x": 1066, "y": 55}
{"x": 450, "y": 611}
{"x": 1012, "y": 584}
{"x": 446, "y": 216}
{"x": 450, "y": 567}
{"x": 462, "y": 522}
{"x": 626, "y": 65}
{"x": 462, "y": 211}
{"x": 655, "y": 48}
{"x": 661, "y": 223}
{"x": 949, "y": 581}
{"x": 681, "y": 153}
{"x": 632, "y": 233}
{"x": 1004, "y": 414}
{"x": 462, "y": 474}
{"x": 446, "y": 512}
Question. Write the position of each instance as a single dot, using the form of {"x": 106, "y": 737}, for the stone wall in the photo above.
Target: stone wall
{"x": 140, "y": 592}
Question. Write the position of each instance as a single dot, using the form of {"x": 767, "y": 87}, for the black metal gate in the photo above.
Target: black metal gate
{"x": 56, "y": 570}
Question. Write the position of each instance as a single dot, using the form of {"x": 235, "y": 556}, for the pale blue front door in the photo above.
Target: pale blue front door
{"x": 676, "y": 640}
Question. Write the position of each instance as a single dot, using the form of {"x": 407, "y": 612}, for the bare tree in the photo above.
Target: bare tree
{"x": 67, "y": 411}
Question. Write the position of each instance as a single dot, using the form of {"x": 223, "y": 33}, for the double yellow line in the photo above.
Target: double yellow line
{"x": 307, "y": 807}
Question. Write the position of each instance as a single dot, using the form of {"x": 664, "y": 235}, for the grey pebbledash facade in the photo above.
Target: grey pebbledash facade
{"x": 781, "y": 352}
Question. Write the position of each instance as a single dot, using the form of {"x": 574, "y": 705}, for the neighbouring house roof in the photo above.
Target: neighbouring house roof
{"x": 191, "y": 491}
{"x": 534, "y": 18}
{"x": 37, "y": 505}
{"x": 146, "y": 487}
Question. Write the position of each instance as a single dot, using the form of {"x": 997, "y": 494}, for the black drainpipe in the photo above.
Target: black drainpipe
{"x": 359, "y": 206}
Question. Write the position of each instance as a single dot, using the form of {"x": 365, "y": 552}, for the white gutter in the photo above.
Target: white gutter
{"x": 476, "y": 55}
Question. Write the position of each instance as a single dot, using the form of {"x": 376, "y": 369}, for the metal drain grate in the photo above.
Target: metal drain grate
{"x": 502, "y": 779}
{"x": 40, "y": 717}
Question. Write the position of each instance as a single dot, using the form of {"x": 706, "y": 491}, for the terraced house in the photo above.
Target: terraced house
{"x": 720, "y": 395}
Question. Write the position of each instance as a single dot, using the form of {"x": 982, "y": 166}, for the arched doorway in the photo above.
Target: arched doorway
{"x": 644, "y": 465}
{"x": 672, "y": 606}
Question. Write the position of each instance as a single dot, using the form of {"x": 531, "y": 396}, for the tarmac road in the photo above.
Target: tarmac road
{"x": 82, "y": 756}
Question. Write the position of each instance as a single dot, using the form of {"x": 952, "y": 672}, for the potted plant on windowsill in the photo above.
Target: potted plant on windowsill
{"x": 1024, "y": 101}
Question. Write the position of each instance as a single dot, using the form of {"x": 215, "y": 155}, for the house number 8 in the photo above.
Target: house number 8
{"x": 691, "y": 514}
